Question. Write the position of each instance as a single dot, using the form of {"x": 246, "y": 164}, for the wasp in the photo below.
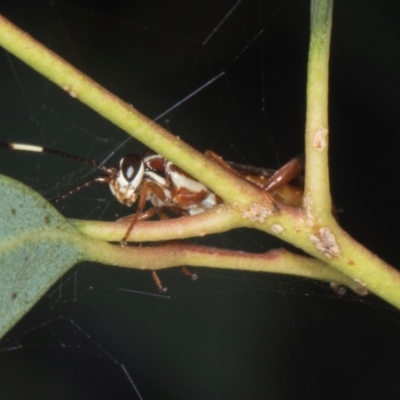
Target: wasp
{"x": 150, "y": 177}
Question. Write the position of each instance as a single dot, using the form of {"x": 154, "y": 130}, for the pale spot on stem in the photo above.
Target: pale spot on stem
{"x": 277, "y": 229}
{"x": 320, "y": 139}
{"x": 325, "y": 242}
{"x": 70, "y": 91}
{"x": 256, "y": 212}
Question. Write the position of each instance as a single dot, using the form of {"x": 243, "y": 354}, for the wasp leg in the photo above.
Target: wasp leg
{"x": 185, "y": 270}
{"x": 219, "y": 160}
{"x": 158, "y": 283}
{"x": 189, "y": 274}
{"x": 144, "y": 216}
{"x": 285, "y": 174}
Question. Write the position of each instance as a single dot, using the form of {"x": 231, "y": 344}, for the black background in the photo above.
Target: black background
{"x": 230, "y": 335}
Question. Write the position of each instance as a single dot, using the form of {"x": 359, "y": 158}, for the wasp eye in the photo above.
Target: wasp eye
{"x": 130, "y": 165}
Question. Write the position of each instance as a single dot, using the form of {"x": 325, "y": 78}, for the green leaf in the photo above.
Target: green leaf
{"x": 37, "y": 246}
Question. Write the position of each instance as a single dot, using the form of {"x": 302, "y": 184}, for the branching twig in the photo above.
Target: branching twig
{"x": 311, "y": 228}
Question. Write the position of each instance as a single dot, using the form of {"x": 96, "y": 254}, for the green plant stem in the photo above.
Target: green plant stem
{"x": 172, "y": 254}
{"x": 312, "y": 229}
{"x": 317, "y": 197}
{"x": 332, "y": 246}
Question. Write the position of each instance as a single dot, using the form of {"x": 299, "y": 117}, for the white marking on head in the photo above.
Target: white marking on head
{"x": 131, "y": 171}
{"x": 129, "y": 178}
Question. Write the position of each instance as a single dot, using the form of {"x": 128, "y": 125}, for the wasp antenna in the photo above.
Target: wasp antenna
{"x": 39, "y": 149}
{"x": 78, "y": 189}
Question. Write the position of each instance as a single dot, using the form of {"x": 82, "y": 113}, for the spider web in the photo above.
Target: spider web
{"x": 228, "y": 77}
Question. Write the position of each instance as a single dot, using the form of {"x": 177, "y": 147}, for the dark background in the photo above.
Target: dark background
{"x": 230, "y": 335}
